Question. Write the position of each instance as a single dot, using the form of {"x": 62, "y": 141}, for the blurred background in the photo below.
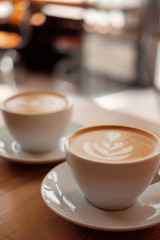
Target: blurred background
{"x": 89, "y": 47}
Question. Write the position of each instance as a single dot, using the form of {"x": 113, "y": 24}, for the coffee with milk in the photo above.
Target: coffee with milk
{"x": 35, "y": 103}
{"x": 113, "y": 165}
{"x": 113, "y": 144}
{"x": 37, "y": 119}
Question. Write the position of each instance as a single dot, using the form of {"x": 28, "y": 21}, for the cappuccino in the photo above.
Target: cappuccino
{"x": 35, "y": 103}
{"x": 113, "y": 144}
{"x": 113, "y": 165}
{"x": 38, "y": 119}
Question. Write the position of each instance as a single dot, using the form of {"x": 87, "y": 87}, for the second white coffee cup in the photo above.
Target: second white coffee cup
{"x": 37, "y": 119}
{"x": 112, "y": 165}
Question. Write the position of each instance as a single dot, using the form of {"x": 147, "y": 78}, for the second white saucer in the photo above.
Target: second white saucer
{"x": 12, "y": 151}
{"x": 62, "y": 195}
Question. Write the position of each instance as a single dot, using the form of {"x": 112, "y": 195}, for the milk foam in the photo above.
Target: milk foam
{"x": 109, "y": 150}
{"x": 113, "y": 144}
{"x": 35, "y": 103}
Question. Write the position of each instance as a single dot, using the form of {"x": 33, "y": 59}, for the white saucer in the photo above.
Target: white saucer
{"x": 12, "y": 151}
{"x": 63, "y": 196}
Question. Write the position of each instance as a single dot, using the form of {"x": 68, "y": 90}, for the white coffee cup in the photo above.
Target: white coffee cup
{"x": 113, "y": 165}
{"x": 37, "y": 119}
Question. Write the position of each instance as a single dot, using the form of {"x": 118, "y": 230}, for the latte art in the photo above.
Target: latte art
{"x": 111, "y": 150}
{"x": 35, "y": 103}
{"x": 113, "y": 144}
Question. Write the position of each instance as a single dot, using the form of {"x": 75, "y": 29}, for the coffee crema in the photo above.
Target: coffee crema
{"x": 113, "y": 144}
{"x": 35, "y": 103}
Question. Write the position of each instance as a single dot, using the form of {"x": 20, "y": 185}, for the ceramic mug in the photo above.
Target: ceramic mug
{"x": 37, "y": 119}
{"x": 112, "y": 165}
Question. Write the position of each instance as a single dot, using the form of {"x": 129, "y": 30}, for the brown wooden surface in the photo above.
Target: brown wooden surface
{"x": 24, "y": 215}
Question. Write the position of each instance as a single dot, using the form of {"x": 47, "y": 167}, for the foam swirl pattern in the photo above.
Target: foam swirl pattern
{"x": 35, "y": 103}
{"x": 113, "y": 144}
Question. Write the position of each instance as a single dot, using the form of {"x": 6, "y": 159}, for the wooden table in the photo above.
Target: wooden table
{"x": 23, "y": 213}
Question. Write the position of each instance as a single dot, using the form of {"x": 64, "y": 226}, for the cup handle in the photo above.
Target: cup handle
{"x": 156, "y": 177}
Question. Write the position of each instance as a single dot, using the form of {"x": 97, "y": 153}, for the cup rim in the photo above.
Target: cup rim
{"x": 67, "y": 147}
{"x": 68, "y": 98}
